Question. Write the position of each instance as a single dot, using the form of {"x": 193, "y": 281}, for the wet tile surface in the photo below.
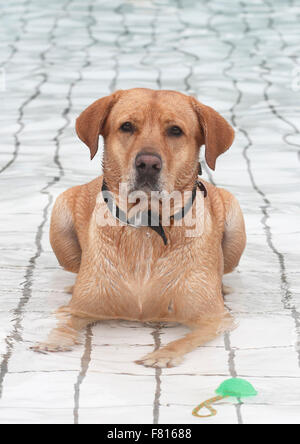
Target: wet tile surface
{"x": 242, "y": 58}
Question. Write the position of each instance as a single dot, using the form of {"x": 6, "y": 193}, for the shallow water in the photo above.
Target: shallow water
{"x": 242, "y": 59}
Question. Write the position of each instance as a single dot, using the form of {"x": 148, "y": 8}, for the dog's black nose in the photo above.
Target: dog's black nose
{"x": 148, "y": 164}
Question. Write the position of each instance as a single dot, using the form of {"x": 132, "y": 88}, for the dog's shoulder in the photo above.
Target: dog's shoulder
{"x": 228, "y": 199}
{"x": 81, "y": 199}
{"x": 216, "y": 202}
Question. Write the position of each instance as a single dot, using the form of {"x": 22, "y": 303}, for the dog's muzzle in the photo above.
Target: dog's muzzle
{"x": 147, "y": 167}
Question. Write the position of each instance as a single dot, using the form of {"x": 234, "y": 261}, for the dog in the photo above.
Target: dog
{"x": 151, "y": 144}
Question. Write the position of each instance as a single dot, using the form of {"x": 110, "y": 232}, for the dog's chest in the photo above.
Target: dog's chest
{"x": 147, "y": 274}
{"x": 141, "y": 258}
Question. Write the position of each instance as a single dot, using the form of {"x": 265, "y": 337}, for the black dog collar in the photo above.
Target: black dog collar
{"x": 147, "y": 218}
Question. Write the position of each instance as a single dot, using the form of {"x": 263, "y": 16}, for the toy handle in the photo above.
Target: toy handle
{"x": 207, "y": 404}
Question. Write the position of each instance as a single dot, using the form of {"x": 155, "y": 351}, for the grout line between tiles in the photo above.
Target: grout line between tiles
{"x": 24, "y": 23}
{"x": 85, "y": 362}
{"x": 15, "y": 334}
{"x": 35, "y": 95}
{"x": 158, "y": 373}
{"x": 287, "y": 294}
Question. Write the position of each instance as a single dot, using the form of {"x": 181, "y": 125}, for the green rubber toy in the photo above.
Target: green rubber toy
{"x": 239, "y": 388}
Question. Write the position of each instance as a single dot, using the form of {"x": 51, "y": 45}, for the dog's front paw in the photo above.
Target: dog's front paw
{"x": 161, "y": 358}
{"x": 45, "y": 348}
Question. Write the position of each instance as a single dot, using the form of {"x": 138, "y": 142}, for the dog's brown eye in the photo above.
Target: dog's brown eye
{"x": 175, "y": 131}
{"x": 127, "y": 127}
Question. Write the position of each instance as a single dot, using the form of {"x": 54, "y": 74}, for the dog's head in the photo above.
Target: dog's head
{"x": 152, "y": 138}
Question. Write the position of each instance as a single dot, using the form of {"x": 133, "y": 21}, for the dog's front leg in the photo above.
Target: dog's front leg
{"x": 65, "y": 335}
{"x": 172, "y": 354}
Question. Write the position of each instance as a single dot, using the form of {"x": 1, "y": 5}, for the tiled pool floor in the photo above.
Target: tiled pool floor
{"x": 242, "y": 58}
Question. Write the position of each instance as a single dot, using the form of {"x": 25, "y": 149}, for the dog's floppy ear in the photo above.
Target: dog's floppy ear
{"x": 218, "y": 134}
{"x": 90, "y": 123}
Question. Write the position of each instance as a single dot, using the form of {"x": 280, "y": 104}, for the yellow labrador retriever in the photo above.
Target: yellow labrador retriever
{"x": 156, "y": 272}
